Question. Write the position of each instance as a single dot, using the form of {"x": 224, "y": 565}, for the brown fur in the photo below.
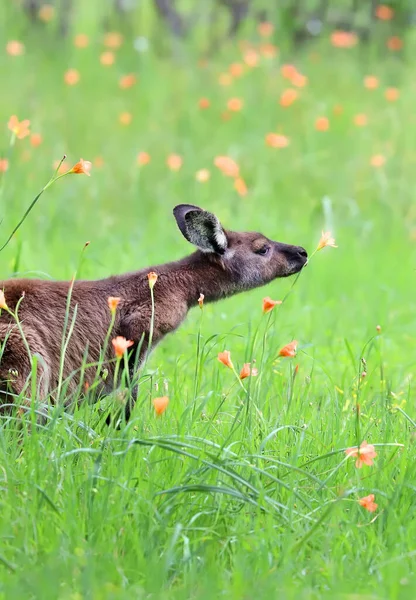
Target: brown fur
{"x": 233, "y": 265}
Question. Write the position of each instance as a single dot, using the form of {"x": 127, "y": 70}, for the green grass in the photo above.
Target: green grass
{"x": 231, "y": 493}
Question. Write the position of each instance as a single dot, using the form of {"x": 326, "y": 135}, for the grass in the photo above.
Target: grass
{"x": 233, "y": 492}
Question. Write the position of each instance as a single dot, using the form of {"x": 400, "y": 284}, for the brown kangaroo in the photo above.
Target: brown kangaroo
{"x": 225, "y": 263}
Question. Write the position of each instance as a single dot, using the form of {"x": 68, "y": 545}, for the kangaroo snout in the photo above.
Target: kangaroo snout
{"x": 296, "y": 257}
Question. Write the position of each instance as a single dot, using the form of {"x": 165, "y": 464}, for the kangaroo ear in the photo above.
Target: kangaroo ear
{"x": 201, "y": 228}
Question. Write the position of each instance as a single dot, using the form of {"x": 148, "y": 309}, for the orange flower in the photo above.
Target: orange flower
{"x": 204, "y": 103}
{"x": 268, "y": 50}
{"x": 371, "y": 82}
{"x": 322, "y": 124}
{"x": 82, "y": 167}
{"x": 125, "y": 118}
{"x": 113, "y": 40}
{"x": 46, "y": 13}
{"x": 71, "y": 77}
{"x": 202, "y": 175}
{"x": 15, "y": 48}
{"x": 326, "y": 240}
{"x": 276, "y": 140}
{"x": 368, "y": 503}
{"x": 288, "y": 71}
{"x": 246, "y": 371}
{"x": 364, "y": 454}
{"x": 288, "y": 97}
{"x": 225, "y": 79}
{"x": 107, "y": 58}
{"x": 394, "y": 43}
{"x": 299, "y": 80}
{"x": 160, "y": 404}
{"x": 225, "y": 358}
{"x": 81, "y": 40}
{"x": 360, "y": 120}
{"x": 344, "y": 39}
{"x": 235, "y": 104}
{"x": 227, "y": 166}
{"x": 201, "y": 300}
{"x": 36, "y": 139}
{"x": 20, "y": 129}
{"x": 4, "y": 165}
{"x": 113, "y": 302}
{"x": 289, "y": 350}
{"x": 2, "y": 300}
{"x": 269, "y": 304}
{"x": 391, "y": 94}
{"x": 251, "y": 58}
{"x": 127, "y": 81}
{"x": 120, "y": 345}
{"x": 384, "y": 13}
{"x": 378, "y": 160}
{"x": 143, "y": 158}
{"x": 152, "y": 277}
{"x": 240, "y": 186}
{"x": 265, "y": 29}
{"x": 236, "y": 69}
{"x": 174, "y": 162}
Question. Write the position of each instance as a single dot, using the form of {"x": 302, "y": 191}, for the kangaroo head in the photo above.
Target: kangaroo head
{"x": 251, "y": 259}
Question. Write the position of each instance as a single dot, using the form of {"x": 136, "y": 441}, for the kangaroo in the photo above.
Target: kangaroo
{"x": 225, "y": 263}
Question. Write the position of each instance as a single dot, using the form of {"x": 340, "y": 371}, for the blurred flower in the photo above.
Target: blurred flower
{"x": 174, "y": 162}
{"x": 127, "y": 81}
{"x": 225, "y": 79}
{"x": 326, "y": 240}
{"x": 36, "y": 139}
{"x": 113, "y": 40}
{"x": 15, "y": 48}
{"x": 46, "y": 13}
{"x": 81, "y": 40}
{"x": 107, "y": 58}
{"x": 125, "y": 118}
{"x": 240, "y": 186}
{"x": 322, "y": 124}
{"x": 269, "y": 304}
{"x": 143, "y": 158}
{"x": 246, "y": 371}
{"x": 20, "y": 129}
{"x": 113, "y": 302}
{"x": 71, "y": 77}
{"x": 289, "y": 350}
{"x": 225, "y": 359}
{"x": 276, "y": 140}
{"x": 378, "y": 328}
{"x": 2, "y": 300}
{"x": 384, "y": 13}
{"x": 227, "y": 166}
{"x": 364, "y": 454}
{"x": 152, "y": 277}
{"x": 344, "y": 39}
{"x": 288, "y": 97}
{"x": 82, "y": 167}
{"x": 268, "y": 50}
{"x": 368, "y": 503}
{"x": 360, "y": 120}
{"x": 251, "y": 58}
{"x": 299, "y": 80}
{"x": 201, "y": 300}
{"x": 378, "y": 160}
{"x": 371, "y": 82}
{"x": 236, "y": 69}
{"x": 202, "y": 175}
{"x": 235, "y": 104}
{"x": 120, "y": 345}
{"x": 394, "y": 43}
{"x": 204, "y": 103}
{"x": 288, "y": 71}
{"x": 391, "y": 94}
{"x": 4, "y": 165}
{"x": 160, "y": 404}
{"x": 265, "y": 29}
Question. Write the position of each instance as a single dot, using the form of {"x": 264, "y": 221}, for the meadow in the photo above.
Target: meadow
{"x": 241, "y": 488}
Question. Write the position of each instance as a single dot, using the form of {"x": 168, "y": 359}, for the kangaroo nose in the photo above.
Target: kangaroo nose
{"x": 302, "y": 252}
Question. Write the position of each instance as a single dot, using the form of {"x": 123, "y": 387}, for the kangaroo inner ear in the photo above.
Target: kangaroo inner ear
{"x": 201, "y": 228}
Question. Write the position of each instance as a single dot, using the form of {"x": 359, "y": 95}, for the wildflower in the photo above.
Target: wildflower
{"x": 201, "y": 301}
{"x": 276, "y": 140}
{"x": 71, "y": 77}
{"x": 82, "y": 167}
{"x": 344, "y": 39}
{"x": 394, "y": 43}
{"x": 265, "y": 29}
{"x": 268, "y": 50}
{"x": 15, "y": 48}
{"x": 269, "y": 304}
{"x": 378, "y": 328}
{"x": 81, "y": 40}
{"x": 289, "y": 350}
{"x": 174, "y": 162}
{"x": 288, "y": 97}
{"x": 202, "y": 175}
{"x": 288, "y": 71}
{"x": 246, "y": 371}
{"x": 204, "y": 103}
{"x": 113, "y": 302}
{"x": 391, "y": 94}
{"x": 235, "y": 104}
{"x": 152, "y": 277}
{"x": 322, "y": 124}
{"x": 227, "y": 166}
{"x": 143, "y": 158}
{"x": 3, "y": 303}
{"x": 46, "y": 13}
{"x": 107, "y": 59}
{"x": 125, "y": 118}
{"x": 113, "y": 40}
{"x": 120, "y": 345}
{"x": 371, "y": 82}
{"x": 378, "y": 160}
{"x": 384, "y": 13}
{"x": 240, "y": 186}
{"x": 251, "y": 58}
{"x": 225, "y": 79}
{"x": 225, "y": 358}
{"x": 127, "y": 81}
{"x": 36, "y": 139}
{"x": 299, "y": 80}
{"x": 360, "y": 120}
{"x": 364, "y": 454}
{"x": 236, "y": 69}
{"x": 20, "y": 129}
{"x": 326, "y": 240}
{"x": 4, "y": 165}
{"x": 368, "y": 503}
{"x": 160, "y": 404}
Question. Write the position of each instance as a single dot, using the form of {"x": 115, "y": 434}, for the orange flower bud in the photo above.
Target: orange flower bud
{"x": 120, "y": 345}
{"x": 246, "y": 371}
{"x": 201, "y": 300}
{"x": 152, "y": 277}
{"x": 289, "y": 350}
{"x": 225, "y": 358}
{"x": 326, "y": 240}
{"x": 269, "y": 304}
{"x": 113, "y": 302}
{"x": 2, "y": 300}
{"x": 82, "y": 166}
{"x": 160, "y": 404}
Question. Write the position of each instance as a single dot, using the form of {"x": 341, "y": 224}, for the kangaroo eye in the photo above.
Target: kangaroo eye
{"x": 263, "y": 251}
